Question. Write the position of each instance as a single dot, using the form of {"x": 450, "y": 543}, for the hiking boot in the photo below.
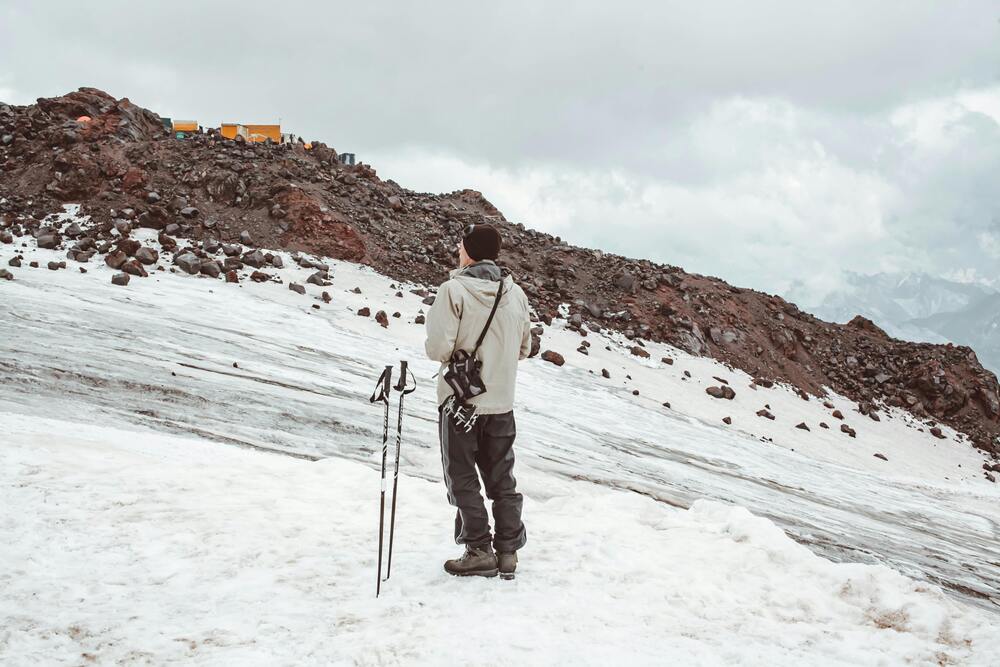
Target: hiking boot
{"x": 507, "y": 563}
{"x": 476, "y": 561}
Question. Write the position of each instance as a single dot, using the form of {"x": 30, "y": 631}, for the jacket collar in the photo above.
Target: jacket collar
{"x": 484, "y": 270}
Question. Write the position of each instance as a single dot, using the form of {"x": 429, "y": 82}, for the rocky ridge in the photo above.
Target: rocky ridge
{"x": 215, "y": 202}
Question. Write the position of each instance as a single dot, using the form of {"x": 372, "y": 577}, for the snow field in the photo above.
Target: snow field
{"x": 133, "y": 547}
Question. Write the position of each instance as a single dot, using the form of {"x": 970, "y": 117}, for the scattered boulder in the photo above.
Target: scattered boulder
{"x": 318, "y": 278}
{"x": 880, "y": 456}
{"x": 639, "y": 352}
{"x": 49, "y": 241}
{"x": 295, "y": 287}
{"x": 844, "y": 428}
{"x": 188, "y": 262}
{"x": 668, "y": 361}
{"x": 365, "y": 311}
{"x": 133, "y": 267}
{"x": 605, "y": 374}
{"x": 6, "y": 275}
{"x": 254, "y": 259}
{"x": 210, "y": 268}
{"x": 727, "y": 420}
{"x": 14, "y": 261}
{"x": 725, "y": 392}
{"x": 553, "y": 357}
{"x": 120, "y": 279}
{"x": 260, "y": 277}
{"x": 55, "y": 266}
{"x": 147, "y": 256}
{"x": 419, "y": 319}
{"x": 766, "y": 414}
{"x": 837, "y": 414}
{"x": 382, "y": 319}
{"x": 938, "y": 433}
{"x": 189, "y": 212}
{"x": 802, "y": 425}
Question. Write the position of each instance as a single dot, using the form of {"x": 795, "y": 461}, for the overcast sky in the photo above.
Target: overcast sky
{"x": 774, "y": 144}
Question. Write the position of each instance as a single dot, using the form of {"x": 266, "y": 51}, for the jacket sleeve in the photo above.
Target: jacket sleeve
{"x": 442, "y": 325}
{"x": 525, "y": 334}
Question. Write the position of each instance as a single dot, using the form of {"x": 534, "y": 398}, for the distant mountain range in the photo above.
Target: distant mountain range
{"x": 920, "y": 307}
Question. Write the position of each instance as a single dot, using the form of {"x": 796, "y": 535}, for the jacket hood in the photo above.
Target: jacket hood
{"x": 481, "y": 280}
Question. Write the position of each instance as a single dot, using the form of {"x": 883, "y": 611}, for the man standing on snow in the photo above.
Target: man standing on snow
{"x": 481, "y": 432}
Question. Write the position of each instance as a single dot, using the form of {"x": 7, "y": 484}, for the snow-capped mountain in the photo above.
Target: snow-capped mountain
{"x": 921, "y": 308}
{"x": 976, "y": 325}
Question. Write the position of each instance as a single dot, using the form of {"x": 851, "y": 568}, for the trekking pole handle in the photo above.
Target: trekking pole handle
{"x": 383, "y": 386}
{"x": 387, "y": 382}
{"x": 403, "y": 370}
{"x": 401, "y": 385}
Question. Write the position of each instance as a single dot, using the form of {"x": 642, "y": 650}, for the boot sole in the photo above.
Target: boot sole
{"x": 506, "y": 576}
{"x": 475, "y": 573}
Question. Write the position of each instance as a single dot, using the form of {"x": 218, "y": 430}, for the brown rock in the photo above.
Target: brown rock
{"x": 553, "y": 357}
{"x": 639, "y": 352}
{"x": 133, "y": 267}
{"x": 115, "y": 259}
{"x": 147, "y": 256}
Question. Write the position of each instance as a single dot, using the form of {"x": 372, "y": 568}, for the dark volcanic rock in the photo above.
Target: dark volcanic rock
{"x": 189, "y": 262}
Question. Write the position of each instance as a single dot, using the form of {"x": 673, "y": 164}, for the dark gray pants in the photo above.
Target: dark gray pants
{"x": 490, "y": 447}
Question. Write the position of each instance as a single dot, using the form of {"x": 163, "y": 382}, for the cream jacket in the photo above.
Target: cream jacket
{"x": 456, "y": 319}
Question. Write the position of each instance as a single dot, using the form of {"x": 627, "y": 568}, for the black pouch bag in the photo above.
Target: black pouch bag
{"x": 464, "y": 368}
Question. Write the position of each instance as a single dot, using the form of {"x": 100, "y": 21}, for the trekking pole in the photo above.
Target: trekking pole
{"x": 400, "y": 387}
{"x": 383, "y": 387}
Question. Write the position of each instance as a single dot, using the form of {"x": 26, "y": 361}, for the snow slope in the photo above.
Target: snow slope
{"x": 133, "y": 547}
{"x": 95, "y": 379}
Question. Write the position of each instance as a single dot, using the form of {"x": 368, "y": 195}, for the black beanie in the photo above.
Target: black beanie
{"x": 482, "y": 242}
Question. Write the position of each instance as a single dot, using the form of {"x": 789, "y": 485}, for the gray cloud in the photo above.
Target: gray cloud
{"x": 771, "y": 143}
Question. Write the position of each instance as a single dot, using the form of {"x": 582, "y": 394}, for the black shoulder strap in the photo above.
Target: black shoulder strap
{"x": 489, "y": 320}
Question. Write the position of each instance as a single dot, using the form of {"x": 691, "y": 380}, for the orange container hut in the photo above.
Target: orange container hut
{"x": 251, "y": 132}
{"x": 185, "y": 126}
